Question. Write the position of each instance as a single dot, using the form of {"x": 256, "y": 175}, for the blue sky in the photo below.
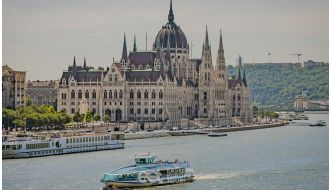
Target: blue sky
{"x": 41, "y": 36}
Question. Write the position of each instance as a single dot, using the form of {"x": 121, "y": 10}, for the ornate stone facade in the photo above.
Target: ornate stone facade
{"x": 13, "y": 87}
{"x": 42, "y": 92}
{"x": 158, "y": 85}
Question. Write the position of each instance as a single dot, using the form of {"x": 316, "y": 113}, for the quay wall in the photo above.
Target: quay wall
{"x": 155, "y": 134}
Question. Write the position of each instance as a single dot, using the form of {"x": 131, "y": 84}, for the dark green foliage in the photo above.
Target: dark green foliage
{"x": 277, "y": 85}
{"x": 33, "y": 116}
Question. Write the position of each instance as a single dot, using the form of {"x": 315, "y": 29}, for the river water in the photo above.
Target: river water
{"x": 290, "y": 157}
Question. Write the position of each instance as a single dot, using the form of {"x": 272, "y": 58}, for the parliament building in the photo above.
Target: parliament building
{"x": 161, "y": 85}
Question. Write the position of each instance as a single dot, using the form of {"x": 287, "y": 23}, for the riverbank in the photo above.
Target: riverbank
{"x": 155, "y": 134}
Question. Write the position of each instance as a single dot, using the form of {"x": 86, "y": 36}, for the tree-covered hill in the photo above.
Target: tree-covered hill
{"x": 277, "y": 84}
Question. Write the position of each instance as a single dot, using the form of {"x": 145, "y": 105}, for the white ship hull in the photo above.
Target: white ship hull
{"x": 58, "y": 146}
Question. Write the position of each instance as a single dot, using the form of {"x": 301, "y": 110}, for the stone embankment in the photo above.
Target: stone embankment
{"x": 155, "y": 134}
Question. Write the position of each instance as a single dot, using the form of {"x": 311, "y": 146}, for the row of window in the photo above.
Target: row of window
{"x": 13, "y": 147}
{"x": 146, "y": 111}
{"x": 87, "y": 145}
{"x": 87, "y": 139}
{"x": 146, "y": 94}
{"x": 43, "y": 152}
{"x": 37, "y": 146}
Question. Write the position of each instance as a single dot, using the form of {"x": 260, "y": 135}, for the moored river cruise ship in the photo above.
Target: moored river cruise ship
{"x": 24, "y": 146}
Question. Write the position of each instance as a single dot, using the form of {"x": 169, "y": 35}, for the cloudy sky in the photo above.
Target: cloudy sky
{"x": 42, "y": 36}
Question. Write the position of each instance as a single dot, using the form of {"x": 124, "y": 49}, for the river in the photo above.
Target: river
{"x": 289, "y": 157}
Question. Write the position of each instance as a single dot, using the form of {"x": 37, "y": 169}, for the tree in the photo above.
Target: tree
{"x": 8, "y": 116}
{"x": 88, "y": 116}
{"x": 106, "y": 118}
{"x": 29, "y": 101}
{"x": 97, "y": 117}
{"x": 19, "y": 123}
{"x": 77, "y": 117}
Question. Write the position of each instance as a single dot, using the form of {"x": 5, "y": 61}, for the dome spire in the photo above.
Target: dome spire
{"x": 170, "y": 14}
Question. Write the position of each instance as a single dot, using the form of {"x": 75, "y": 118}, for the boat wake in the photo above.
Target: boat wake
{"x": 221, "y": 175}
{"x": 214, "y": 176}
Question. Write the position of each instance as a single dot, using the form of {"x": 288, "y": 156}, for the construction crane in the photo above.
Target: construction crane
{"x": 298, "y": 55}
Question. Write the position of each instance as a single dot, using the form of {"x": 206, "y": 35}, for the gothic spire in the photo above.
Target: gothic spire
{"x": 207, "y": 44}
{"x": 134, "y": 45}
{"x": 124, "y": 54}
{"x": 170, "y": 14}
{"x": 84, "y": 62}
{"x": 74, "y": 61}
{"x": 220, "y": 43}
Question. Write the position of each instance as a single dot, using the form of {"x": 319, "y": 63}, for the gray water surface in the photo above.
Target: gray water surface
{"x": 290, "y": 157}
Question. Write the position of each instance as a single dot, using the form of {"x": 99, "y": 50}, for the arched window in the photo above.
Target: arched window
{"x": 79, "y": 94}
{"x": 138, "y": 94}
{"x": 153, "y": 94}
{"x": 205, "y": 95}
{"x": 146, "y": 95}
{"x": 234, "y": 97}
{"x": 93, "y": 94}
{"x": 115, "y": 94}
{"x": 105, "y": 94}
{"x": 73, "y": 94}
{"x": 131, "y": 94}
{"x": 87, "y": 94}
{"x": 116, "y": 78}
{"x": 120, "y": 94}
{"x": 160, "y": 95}
{"x": 110, "y": 94}
{"x": 239, "y": 97}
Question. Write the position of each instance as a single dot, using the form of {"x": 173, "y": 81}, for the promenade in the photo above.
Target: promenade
{"x": 204, "y": 131}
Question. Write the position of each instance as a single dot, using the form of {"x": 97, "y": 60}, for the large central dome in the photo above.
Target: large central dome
{"x": 171, "y": 33}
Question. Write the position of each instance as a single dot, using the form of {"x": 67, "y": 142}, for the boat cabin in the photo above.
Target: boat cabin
{"x": 145, "y": 159}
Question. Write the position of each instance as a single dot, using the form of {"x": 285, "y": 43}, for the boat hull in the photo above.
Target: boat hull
{"x": 14, "y": 154}
{"x": 113, "y": 184}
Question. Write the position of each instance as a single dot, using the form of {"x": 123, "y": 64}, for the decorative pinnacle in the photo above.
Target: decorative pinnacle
{"x": 134, "y": 46}
{"x": 170, "y": 14}
{"x": 220, "y": 43}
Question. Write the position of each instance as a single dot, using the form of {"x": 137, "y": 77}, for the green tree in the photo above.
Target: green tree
{"x": 97, "y": 117}
{"x": 19, "y": 123}
{"x": 106, "y": 118}
{"x": 77, "y": 117}
{"x": 8, "y": 116}
{"x": 88, "y": 116}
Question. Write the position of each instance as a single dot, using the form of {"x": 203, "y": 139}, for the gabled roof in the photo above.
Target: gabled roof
{"x": 143, "y": 58}
{"x": 234, "y": 82}
{"x": 80, "y": 76}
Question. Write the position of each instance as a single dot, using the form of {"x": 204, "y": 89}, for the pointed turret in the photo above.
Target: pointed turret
{"x": 84, "y": 62}
{"x": 74, "y": 61}
{"x": 221, "y": 65}
{"x": 134, "y": 45}
{"x": 206, "y": 42}
{"x": 170, "y": 14}
{"x": 220, "y": 42}
{"x": 124, "y": 54}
